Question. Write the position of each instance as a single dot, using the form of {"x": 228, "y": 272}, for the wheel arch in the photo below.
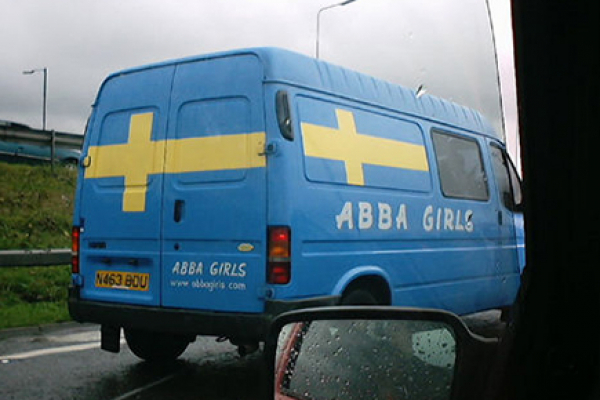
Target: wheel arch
{"x": 372, "y": 278}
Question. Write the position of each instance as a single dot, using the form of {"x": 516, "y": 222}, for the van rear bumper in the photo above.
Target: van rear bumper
{"x": 241, "y": 326}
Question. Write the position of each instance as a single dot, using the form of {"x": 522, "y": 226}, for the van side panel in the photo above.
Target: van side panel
{"x": 367, "y": 197}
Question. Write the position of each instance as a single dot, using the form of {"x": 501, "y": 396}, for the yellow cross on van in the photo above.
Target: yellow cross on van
{"x": 355, "y": 149}
{"x": 141, "y": 156}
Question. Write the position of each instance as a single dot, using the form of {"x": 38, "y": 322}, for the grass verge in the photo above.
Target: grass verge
{"x": 33, "y": 296}
{"x": 36, "y": 208}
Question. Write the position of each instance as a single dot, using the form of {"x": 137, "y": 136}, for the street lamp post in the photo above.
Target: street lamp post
{"x": 45, "y": 71}
{"x": 343, "y": 3}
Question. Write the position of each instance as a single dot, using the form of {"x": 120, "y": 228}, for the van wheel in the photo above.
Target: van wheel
{"x": 155, "y": 346}
{"x": 359, "y": 297}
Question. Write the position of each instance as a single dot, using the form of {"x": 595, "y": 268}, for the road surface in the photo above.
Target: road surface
{"x": 64, "y": 362}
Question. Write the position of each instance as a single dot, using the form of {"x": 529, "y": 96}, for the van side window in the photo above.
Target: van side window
{"x": 460, "y": 166}
{"x": 362, "y": 147}
{"x": 507, "y": 180}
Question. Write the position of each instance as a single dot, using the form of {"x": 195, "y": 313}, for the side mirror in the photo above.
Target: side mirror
{"x": 284, "y": 115}
{"x": 376, "y": 353}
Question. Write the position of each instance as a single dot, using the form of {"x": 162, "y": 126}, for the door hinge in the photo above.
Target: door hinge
{"x": 269, "y": 149}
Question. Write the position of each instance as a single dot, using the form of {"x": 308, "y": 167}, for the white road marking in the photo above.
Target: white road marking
{"x": 80, "y": 337}
{"x": 53, "y": 350}
{"x": 6, "y": 359}
{"x": 146, "y": 387}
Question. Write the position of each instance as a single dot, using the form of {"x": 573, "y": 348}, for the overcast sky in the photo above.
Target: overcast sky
{"x": 443, "y": 44}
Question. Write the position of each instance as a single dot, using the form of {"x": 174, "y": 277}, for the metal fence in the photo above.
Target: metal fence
{"x": 30, "y": 258}
{"x": 38, "y": 136}
{"x": 22, "y": 134}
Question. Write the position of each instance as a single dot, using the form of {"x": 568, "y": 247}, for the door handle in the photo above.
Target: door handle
{"x": 179, "y": 210}
{"x": 500, "y": 217}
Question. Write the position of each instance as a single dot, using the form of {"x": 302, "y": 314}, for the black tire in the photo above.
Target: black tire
{"x": 155, "y": 346}
{"x": 359, "y": 297}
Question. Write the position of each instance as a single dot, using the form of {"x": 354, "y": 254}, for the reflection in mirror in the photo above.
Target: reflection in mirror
{"x": 365, "y": 359}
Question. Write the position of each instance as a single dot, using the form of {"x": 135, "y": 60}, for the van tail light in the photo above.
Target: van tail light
{"x": 279, "y": 270}
{"x": 75, "y": 245}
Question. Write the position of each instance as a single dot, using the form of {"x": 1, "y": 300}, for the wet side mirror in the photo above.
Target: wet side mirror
{"x": 374, "y": 353}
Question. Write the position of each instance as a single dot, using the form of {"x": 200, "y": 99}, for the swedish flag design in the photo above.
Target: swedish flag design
{"x": 362, "y": 148}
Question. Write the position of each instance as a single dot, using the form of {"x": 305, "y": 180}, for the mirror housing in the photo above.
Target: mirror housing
{"x": 473, "y": 355}
{"x": 284, "y": 115}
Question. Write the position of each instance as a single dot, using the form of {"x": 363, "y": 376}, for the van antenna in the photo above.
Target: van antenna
{"x": 420, "y": 91}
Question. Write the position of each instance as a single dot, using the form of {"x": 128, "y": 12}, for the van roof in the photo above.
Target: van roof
{"x": 284, "y": 66}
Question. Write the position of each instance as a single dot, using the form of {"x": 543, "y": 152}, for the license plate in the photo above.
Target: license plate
{"x": 123, "y": 280}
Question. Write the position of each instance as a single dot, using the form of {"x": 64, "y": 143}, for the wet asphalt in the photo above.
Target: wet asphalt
{"x": 64, "y": 361}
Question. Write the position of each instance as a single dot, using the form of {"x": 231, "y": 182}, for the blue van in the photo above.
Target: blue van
{"x": 218, "y": 191}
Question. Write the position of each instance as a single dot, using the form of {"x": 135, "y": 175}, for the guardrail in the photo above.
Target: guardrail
{"x": 30, "y": 258}
{"x": 38, "y": 136}
{"x": 24, "y": 135}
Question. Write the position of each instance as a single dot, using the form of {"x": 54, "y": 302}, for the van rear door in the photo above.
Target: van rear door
{"x": 214, "y": 209}
{"x": 121, "y": 189}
